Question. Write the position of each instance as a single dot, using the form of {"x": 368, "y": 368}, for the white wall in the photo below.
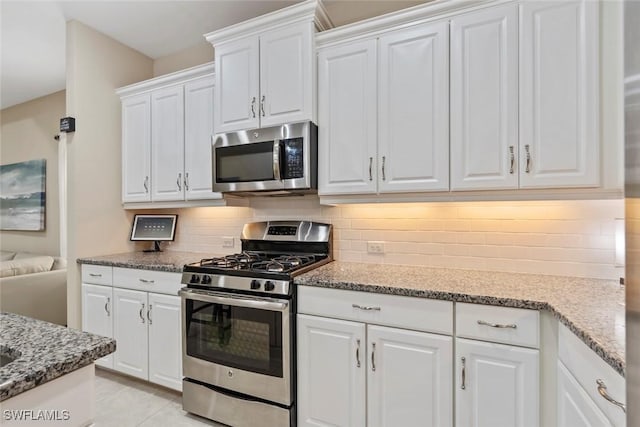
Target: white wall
{"x": 27, "y": 134}
{"x": 96, "y": 66}
{"x": 571, "y": 238}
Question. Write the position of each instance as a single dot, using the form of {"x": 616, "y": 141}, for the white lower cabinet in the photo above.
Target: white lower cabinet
{"x": 165, "y": 367}
{"x": 408, "y": 378}
{"x": 331, "y": 372}
{"x": 354, "y": 373}
{"x": 575, "y": 407}
{"x": 497, "y": 385}
{"x": 497, "y": 376}
{"x": 97, "y": 315}
{"x": 145, "y": 325}
{"x": 590, "y": 392}
{"x": 130, "y": 332}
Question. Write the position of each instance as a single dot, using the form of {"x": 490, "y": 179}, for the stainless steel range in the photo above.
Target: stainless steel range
{"x": 238, "y": 324}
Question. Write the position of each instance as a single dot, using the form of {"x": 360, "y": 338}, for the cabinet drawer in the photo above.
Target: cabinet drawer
{"x": 97, "y": 274}
{"x": 161, "y": 282}
{"x": 515, "y": 326}
{"x": 587, "y": 367}
{"x": 420, "y": 314}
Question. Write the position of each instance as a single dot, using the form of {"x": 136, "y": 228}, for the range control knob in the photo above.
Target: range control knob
{"x": 195, "y": 278}
{"x": 255, "y": 284}
{"x": 206, "y": 279}
{"x": 269, "y": 286}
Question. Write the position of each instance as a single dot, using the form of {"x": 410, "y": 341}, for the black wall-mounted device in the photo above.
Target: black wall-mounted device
{"x": 67, "y": 124}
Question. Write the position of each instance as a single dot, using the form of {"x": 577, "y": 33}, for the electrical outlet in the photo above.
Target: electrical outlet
{"x": 227, "y": 242}
{"x": 375, "y": 247}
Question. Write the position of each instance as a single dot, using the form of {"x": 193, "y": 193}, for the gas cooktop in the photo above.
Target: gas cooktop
{"x": 273, "y": 254}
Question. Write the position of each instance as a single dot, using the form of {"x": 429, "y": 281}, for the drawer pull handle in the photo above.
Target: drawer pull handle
{"x": 373, "y": 357}
{"x": 358, "y": 354}
{"x": 602, "y": 389}
{"x": 365, "y": 307}
{"x": 464, "y": 373}
{"x": 95, "y": 275}
{"x": 147, "y": 281}
{"x": 498, "y": 325}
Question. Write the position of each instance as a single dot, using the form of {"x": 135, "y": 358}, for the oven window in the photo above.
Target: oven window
{"x": 238, "y": 337}
{"x": 245, "y": 163}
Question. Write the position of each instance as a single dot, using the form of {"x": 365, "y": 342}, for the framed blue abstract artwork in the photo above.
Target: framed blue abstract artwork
{"x": 22, "y": 195}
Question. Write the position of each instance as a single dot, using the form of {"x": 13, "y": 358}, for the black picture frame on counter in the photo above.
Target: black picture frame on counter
{"x": 154, "y": 228}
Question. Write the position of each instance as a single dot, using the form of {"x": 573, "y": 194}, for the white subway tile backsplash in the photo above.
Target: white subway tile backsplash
{"x": 574, "y": 238}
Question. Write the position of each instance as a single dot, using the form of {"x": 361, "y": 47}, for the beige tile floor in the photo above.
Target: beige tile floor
{"x": 123, "y": 401}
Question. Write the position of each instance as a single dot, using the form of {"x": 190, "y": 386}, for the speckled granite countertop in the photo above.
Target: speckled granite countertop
{"x": 171, "y": 261}
{"x": 593, "y": 309}
{"x": 43, "y": 352}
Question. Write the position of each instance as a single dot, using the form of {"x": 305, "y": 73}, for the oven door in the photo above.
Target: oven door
{"x": 238, "y": 342}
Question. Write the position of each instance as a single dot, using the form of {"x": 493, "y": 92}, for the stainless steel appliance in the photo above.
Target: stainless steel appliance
{"x": 632, "y": 205}
{"x": 275, "y": 160}
{"x": 238, "y": 324}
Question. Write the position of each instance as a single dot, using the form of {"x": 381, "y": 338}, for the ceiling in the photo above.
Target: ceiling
{"x": 32, "y": 38}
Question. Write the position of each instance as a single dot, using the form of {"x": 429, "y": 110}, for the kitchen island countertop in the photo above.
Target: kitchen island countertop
{"x": 593, "y": 309}
{"x": 43, "y": 352}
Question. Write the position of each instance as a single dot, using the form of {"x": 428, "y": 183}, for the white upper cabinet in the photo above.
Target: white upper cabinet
{"x": 286, "y": 65}
{"x": 413, "y": 109}
{"x": 198, "y": 132}
{"x": 484, "y": 99}
{"x": 265, "y": 68}
{"x": 237, "y": 96}
{"x": 559, "y": 112}
{"x": 136, "y": 146}
{"x": 167, "y": 129}
{"x": 383, "y": 113}
{"x": 167, "y": 144}
{"x": 347, "y": 81}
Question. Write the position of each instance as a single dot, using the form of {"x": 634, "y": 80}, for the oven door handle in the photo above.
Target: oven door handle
{"x": 222, "y": 298}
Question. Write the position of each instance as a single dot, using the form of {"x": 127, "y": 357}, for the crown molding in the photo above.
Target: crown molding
{"x": 435, "y": 10}
{"x": 178, "y": 77}
{"x": 307, "y": 11}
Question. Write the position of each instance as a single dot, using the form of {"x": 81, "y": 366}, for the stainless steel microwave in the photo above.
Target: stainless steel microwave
{"x": 274, "y": 160}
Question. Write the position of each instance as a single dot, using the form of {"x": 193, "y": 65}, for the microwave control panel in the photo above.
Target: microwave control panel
{"x": 294, "y": 158}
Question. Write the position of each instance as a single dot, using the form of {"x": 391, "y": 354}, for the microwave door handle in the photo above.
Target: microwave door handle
{"x": 276, "y": 160}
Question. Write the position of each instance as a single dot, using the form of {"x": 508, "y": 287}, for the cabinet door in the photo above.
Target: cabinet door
{"x": 496, "y": 385}
{"x": 347, "y": 99}
{"x": 331, "y": 372}
{"x": 236, "y": 94}
{"x": 167, "y": 144}
{"x": 484, "y": 99}
{"x": 136, "y": 149}
{"x": 286, "y": 68}
{"x": 97, "y": 315}
{"x": 198, "y": 132}
{"x": 559, "y": 112}
{"x": 409, "y": 378}
{"x": 165, "y": 341}
{"x": 130, "y": 332}
{"x": 575, "y": 407}
{"x": 413, "y": 121}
